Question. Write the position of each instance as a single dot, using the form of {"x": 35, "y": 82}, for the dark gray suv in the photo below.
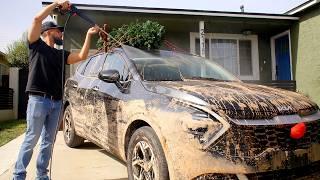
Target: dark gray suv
{"x": 176, "y": 116}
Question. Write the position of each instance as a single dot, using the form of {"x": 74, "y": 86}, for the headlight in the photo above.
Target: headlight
{"x": 203, "y": 125}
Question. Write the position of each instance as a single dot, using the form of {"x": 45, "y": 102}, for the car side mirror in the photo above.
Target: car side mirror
{"x": 110, "y": 76}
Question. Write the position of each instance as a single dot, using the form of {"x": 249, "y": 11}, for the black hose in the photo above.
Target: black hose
{"x": 62, "y": 87}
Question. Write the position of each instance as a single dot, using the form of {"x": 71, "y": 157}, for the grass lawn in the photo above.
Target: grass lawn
{"x": 11, "y": 129}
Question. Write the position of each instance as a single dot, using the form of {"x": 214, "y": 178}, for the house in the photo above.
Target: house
{"x": 6, "y": 93}
{"x": 305, "y": 47}
{"x": 4, "y": 71}
{"x": 256, "y": 47}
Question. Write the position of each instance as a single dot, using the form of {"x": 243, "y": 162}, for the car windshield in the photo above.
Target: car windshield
{"x": 163, "y": 65}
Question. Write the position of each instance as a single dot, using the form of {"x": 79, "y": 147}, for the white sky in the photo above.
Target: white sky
{"x": 16, "y": 15}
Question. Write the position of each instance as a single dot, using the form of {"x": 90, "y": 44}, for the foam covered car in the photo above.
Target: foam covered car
{"x": 171, "y": 115}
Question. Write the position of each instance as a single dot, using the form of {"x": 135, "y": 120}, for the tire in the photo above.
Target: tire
{"x": 70, "y": 137}
{"x": 137, "y": 160}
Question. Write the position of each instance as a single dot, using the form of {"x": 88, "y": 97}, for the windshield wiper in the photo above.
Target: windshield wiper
{"x": 204, "y": 78}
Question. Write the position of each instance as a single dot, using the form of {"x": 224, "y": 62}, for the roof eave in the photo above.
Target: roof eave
{"x": 181, "y": 12}
{"x": 302, "y": 7}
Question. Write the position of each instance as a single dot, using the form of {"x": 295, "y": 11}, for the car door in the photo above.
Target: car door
{"x": 75, "y": 98}
{"x": 90, "y": 88}
{"x": 107, "y": 109}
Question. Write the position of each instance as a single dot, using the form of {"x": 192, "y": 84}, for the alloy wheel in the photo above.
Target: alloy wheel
{"x": 67, "y": 125}
{"x": 144, "y": 163}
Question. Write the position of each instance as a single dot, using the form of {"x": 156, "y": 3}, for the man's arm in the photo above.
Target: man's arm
{"x": 35, "y": 29}
{"x": 83, "y": 54}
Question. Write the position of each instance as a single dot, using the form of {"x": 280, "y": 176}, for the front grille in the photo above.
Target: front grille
{"x": 261, "y": 113}
{"x": 242, "y": 143}
{"x": 212, "y": 176}
{"x": 311, "y": 172}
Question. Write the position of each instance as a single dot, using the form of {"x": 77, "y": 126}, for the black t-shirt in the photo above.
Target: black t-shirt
{"x": 45, "y": 69}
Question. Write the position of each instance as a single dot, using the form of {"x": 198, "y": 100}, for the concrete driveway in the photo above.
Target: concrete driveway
{"x": 83, "y": 163}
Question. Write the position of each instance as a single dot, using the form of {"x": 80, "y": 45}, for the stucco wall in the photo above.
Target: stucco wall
{"x": 6, "y": 115}
{"x": 305, "y": 37}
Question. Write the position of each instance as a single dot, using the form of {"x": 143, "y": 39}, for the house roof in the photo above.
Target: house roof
{"x": 302, "y": 7}
{"x": 180, "y": 11}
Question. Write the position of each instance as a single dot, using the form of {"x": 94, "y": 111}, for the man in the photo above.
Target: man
{"x": 45, "y": 88}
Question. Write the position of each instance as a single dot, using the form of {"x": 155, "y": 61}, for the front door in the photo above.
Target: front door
{"x": 108, "y": 98}
{"x": 282, "y": 58}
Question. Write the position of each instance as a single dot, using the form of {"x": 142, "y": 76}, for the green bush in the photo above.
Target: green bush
{"x": 17, "y": 53}
{"x": 147, "y": 35}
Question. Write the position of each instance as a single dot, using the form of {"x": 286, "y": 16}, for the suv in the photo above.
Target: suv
{"x": 176, "y": 116}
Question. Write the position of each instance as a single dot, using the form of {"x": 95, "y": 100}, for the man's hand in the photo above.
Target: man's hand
{"x": 93, "y": 30}
{"x": 83, "y": 54}
{"x": 62, "y": 4}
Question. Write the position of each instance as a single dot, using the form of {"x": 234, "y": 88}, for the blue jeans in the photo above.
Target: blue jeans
{"x": 42, "y": 120}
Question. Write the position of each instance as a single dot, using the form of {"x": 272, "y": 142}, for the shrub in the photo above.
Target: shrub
{"x": 147, "y": 35}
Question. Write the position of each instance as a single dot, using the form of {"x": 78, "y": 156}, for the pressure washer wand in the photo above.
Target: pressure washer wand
{"x": 76, "y": 12}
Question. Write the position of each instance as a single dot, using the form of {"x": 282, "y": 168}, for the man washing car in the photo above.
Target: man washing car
{"x": 44, "y": 88}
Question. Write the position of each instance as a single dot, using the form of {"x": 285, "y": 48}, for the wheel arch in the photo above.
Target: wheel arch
{"x": 130, "y": 130}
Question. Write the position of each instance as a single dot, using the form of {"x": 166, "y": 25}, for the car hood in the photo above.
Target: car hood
{"x": 236, "y": 99}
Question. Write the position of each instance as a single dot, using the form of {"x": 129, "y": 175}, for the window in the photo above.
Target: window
{"x": 235, "y": 52}
{"x": 116, "y": 62}
{"x": 94, "y": 66}
{"x": 72, "y": 68}
{"x": 97, "y": 66}
{"x": 245, "y": 57}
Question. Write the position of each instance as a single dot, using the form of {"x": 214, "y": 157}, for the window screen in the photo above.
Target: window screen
{"x": 245, "y": 57}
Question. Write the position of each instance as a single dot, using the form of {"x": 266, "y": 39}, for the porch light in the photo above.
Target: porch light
{"x": 247, "y": 32}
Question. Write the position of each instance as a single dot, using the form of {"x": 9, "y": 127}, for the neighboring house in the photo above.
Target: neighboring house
{"x": 4, "y": 71}
{"x": 305, "y": 39}
{"x": 256, "y": 47}
{"x": 6, "y": 93}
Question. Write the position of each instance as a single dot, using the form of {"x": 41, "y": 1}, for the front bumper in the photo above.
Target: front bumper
{"x": 310, "y": 172}
{"x": 263, "y": 151}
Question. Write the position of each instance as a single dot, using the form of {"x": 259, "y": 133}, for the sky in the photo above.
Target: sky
{"x": 16, "y": 15}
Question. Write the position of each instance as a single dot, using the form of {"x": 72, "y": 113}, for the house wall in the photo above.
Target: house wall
{"x": 305, "y": 37}
{"x": 178, "y": 30}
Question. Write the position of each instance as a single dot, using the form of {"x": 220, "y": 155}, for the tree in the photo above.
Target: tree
{"x": 17, "y": 52}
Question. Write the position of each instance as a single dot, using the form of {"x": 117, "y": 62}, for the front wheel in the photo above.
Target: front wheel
{"x": 69, "y": 133}
{"x": 145, "y": 156}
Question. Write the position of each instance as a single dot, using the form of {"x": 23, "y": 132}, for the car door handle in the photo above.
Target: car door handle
{"x": 95, "y": 88}
{"x": 74, "y": 85}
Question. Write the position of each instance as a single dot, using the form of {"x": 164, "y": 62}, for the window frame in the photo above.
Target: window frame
{"x": 254, "y": 50}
